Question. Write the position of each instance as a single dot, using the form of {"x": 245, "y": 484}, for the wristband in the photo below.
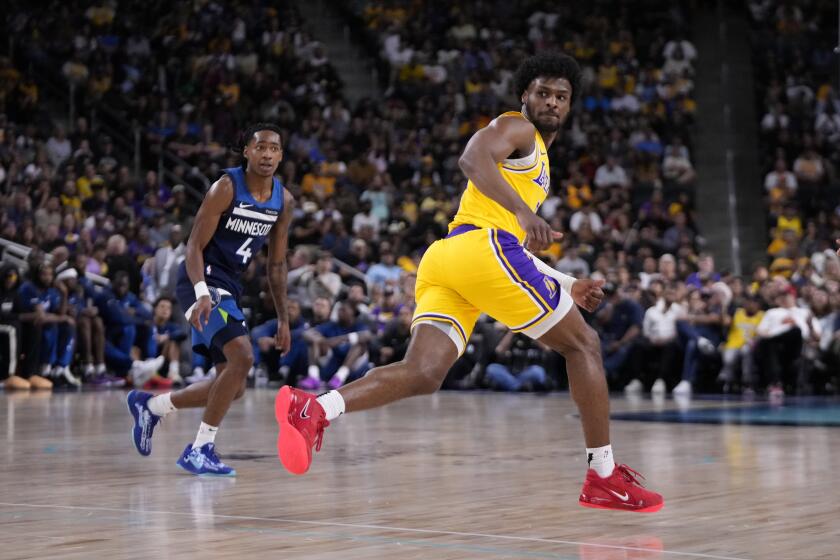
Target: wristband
{"x": 353, "y": 338}
{"x": 201, "y": 290}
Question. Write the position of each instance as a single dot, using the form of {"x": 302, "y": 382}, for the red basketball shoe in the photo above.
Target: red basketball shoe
{"x": 621, "y": 490}
{"x": 302, "y": 421}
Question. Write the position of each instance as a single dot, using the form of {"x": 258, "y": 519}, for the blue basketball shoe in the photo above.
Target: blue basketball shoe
{"x": 144, "y": 420}
{"x": 204, "y": 461}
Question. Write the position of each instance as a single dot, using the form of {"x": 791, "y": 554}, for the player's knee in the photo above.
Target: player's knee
{"x": 428, "y": 377}
{"x": 241, "y": 362}
{"x": 589, "y": 341}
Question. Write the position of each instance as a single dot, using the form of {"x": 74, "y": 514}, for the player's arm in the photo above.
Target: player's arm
{"x": 278, "y": 244}
{"x": 494, "y": 144}
{"x": 358, "y": 337}
{"x": 217, "y": 200}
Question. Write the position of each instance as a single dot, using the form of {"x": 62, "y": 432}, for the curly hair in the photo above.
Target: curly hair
{"x": 550, "y": 65}
{"x": 253, "y": 129}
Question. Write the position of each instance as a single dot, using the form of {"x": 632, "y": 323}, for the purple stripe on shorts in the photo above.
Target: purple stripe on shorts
{"x": 532, "y": 278}
{"x": 463, "y": 228}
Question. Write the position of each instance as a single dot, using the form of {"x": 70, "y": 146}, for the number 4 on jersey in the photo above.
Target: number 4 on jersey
{"x": 244, "y": 251}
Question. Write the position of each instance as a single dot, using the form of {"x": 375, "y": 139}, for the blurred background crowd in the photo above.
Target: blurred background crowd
{"x": 93, "y": 227}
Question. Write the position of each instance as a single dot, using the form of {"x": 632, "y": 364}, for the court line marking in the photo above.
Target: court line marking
{"x": 377, "y": 527}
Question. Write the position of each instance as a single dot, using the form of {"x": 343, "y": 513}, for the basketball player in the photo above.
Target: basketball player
{"x": 483, "y": 266}
{"x": 242, "y": 210}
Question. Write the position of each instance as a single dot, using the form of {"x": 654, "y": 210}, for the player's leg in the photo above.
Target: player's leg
{"x": 302, "y": 418}
{"x": 580, "y": 346}
{"x": 442, "y": 323}
{"x": 200, "y": 457}
{"x": 607, "y": 486}
{"x": 521, "y": 292}
{"x": 428, "y": 359}
{"x": 65, "y": 349}
{"x": 84, "y": 330}
{"x": 229, "y": 382}
{"x": 97, "y": 334}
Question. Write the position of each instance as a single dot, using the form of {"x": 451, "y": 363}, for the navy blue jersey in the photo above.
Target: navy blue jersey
{"x": 242, "y": 231}
{"x": 30, "y": 295}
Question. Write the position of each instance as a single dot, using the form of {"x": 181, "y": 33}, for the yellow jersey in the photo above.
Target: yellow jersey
{"x": 528, "y": 176}
{"x": 743, "y": 329}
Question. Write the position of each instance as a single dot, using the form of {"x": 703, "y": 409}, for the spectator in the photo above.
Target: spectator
{"x": 322, "y": 281}
{"x": 165, "y": 340}
{"x": 291, "y": 366}
{"x": 34, "y": 309}
{"x": 59, "y": 147}
{"x": 386, "y": 272}
{"x": 394, "y": 341}
{"x": 740, "y": 344}
{"x": 659, "y": 348}
{"x": 699, "y": 330}
{"x": 780, "y": 183}
{"x": 518, "y": 364}
{"x": 572, "y": 264}
{"x": 611, "y": 174}
{"x": 10, "y": 331}
{"x": 620, "y": 323}
{"x": 338, "y": 350}
{"x": 124, "y": 314}
{"x": 782, "y": 332}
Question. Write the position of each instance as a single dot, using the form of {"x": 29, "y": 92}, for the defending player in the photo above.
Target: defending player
{"x": 241, "y": 211}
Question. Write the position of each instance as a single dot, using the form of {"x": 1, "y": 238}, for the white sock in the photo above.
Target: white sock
{"x": 206, "y": 434}
{"x": 100, "y": 368}
{"x": 601, "y": 460}
{"x": 333, "y": 404}
{"x": 161, "y": 405}
{"x": 174, "y": 369}
{"x": 314, "y": 372}
{"x": 342, "y": 373}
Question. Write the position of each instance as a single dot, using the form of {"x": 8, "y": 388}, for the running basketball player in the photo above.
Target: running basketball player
{"x": 242, "y": 210}
{"x": 483, "y": 266}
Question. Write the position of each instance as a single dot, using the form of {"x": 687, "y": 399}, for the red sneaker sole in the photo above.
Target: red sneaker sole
{"x": 291, "y": 445}
{"x": 649, "y": 509}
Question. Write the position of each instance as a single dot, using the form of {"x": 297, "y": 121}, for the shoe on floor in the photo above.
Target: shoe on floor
{"x": 17, "y": 383}
{"x": 658, "y": 387}
{"x": 40, "y": 383}
{"x": 158, "y": 382}
{"x": 203, "y": 461}
{"x": 621, "y": 491}
{"x": 682, "y": 388}
{"x": 634, "y": 386}
{"x": 309, "y": 384}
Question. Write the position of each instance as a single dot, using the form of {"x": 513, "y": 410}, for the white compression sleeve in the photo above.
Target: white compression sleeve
{"x": 565, "y": 280}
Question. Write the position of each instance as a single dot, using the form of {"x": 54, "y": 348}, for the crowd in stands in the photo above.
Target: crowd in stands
{"x": 375, "y": 185}
{"x": 798, "y": 103}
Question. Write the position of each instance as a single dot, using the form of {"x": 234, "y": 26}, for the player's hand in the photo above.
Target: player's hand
{"x": 201, "y": 313}
{"x": 538, "y": 234}
{"x": 587, "y": 293}
{"x": 283, "y": 338}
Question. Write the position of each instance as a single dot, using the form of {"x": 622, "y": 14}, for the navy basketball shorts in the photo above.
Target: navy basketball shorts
{"x": 226, "y": 321}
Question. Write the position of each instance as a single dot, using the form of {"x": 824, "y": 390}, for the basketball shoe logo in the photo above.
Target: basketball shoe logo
{"x": 623, "y": 497}
{"x": 304, "y": 413}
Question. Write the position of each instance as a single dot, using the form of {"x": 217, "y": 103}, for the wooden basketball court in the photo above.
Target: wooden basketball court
{"x": 455, "y": 475}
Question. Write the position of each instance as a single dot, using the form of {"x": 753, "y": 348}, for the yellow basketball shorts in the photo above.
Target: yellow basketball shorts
{"x": 477, "y": 270}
